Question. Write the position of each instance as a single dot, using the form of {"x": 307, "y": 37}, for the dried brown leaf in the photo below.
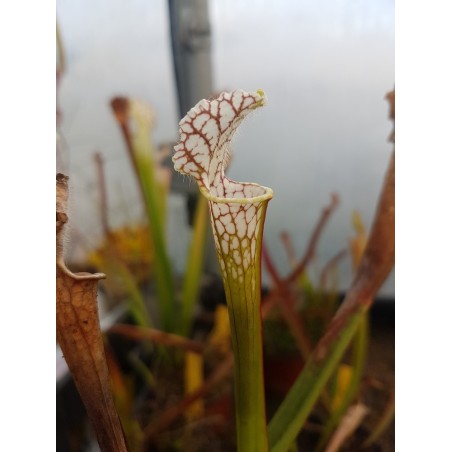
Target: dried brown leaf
{"x": 350, "y": 422}
{"x": 390, "y": 97}
{"x": 80, "y": 338}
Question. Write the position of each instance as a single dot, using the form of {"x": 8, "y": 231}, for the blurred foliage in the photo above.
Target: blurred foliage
{"x": 130, "y": 245}
{"x": 165, "y": 396}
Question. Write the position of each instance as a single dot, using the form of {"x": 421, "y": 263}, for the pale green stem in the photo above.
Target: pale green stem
{"x": 240, "y": 262}
{"x": 195, "y": 260}
{"x": 155, "y": 202}
{"x": 298, "y": 403}
{"x": 163, "y": 272}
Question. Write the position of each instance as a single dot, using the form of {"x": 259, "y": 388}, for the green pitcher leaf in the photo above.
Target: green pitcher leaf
{"x": 237, "y": 213}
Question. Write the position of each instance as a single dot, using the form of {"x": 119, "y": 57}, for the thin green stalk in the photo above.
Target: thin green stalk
{"x": 298, "y": 403}
{"x": 358, "y": 362}
{"x": 141, "y": 153}
{"x": 135, "y": 299}
{"x": 163, "y": 271}
{"x": 143, "y": 370}
{"x": 195, "y": 260}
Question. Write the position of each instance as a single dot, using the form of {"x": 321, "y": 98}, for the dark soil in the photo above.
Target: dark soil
{"x": 381, "y": 366}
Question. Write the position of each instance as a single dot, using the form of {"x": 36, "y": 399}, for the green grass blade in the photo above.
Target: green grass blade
{"x": 155, "y": 214}
{"x": 360, "y": 341}
{"x": 155, "y": 202}
{"x": 135, "y": 298}
{"x": 195, "y": 260}
{"x": 295, "y": 409}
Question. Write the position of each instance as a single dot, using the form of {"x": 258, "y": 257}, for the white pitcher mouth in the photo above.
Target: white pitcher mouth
{"x": 266, "y": 194}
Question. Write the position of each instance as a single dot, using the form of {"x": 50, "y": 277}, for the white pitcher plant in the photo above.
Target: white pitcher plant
{"x": 237, "y": 213}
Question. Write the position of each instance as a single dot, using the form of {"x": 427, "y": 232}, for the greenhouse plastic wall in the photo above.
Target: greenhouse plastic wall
{"x": 325, "y": 67}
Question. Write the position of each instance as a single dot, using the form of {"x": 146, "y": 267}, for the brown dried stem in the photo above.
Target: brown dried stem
{"x": 390, "y": 97}
{"x": 375, "y": 265}
{"x": 137, "y": 333}
{"x": 349, "y": 423}
{"x": 80, "y": 338}
{"x": 329, "y": 266}
{"x": 120, "y": 107}
{"x": 290, "y": 249}
{"x": 310, "y": 251}
{"x": 300, "y": 268}
{"x": 286, "y": 302}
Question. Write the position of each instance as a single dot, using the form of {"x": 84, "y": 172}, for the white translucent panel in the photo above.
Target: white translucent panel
{"x": 325, "y": 67}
